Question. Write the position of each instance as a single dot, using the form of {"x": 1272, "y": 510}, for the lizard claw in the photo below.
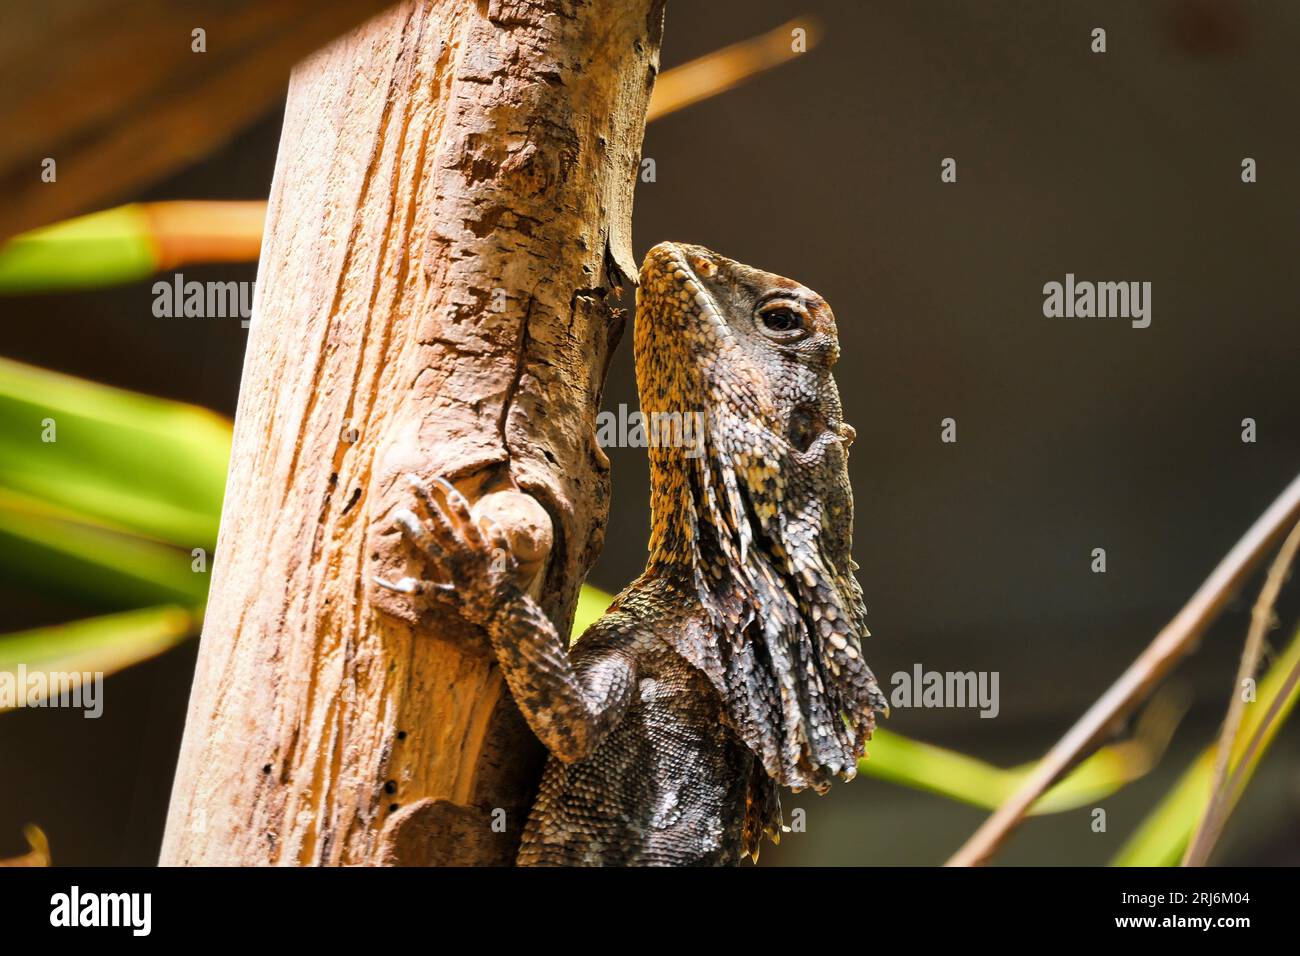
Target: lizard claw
{"x": 412, "y": 585}
{"x": 404, "y": 586}
{"x": 452, "y": 519}
{"x": 411, "y": 526}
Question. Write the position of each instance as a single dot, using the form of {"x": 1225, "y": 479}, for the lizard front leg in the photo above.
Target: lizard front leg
{"x": 570, "y": 709}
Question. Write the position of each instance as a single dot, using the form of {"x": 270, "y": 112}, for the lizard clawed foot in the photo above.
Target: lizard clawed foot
{"x": 472, "y": 561}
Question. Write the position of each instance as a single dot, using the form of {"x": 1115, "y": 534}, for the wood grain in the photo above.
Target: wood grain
{"x": 449, "y": 218}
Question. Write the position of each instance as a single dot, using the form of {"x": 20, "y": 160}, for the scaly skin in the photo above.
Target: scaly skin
{"x": 733, "y": 665}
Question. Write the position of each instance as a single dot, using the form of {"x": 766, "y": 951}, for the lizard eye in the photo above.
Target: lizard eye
{"x": 783, "y": 320}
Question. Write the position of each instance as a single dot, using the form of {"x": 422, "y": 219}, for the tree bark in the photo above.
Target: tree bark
{"x": 448, "y": 224}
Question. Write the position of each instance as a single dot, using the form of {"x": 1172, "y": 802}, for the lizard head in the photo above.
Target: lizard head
{"x": 756, "y": 514}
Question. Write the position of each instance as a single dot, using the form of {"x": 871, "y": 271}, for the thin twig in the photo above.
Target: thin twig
{"x": 1211, "y": 824}
{"x": 1169, "y": 646}
{"x": 1242, "y": 767}
{"x": 721, "y": 70}
{"x": 185, "y": 231}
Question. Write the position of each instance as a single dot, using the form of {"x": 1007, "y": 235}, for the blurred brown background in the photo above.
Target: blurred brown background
{"x": 1073, "y": 434}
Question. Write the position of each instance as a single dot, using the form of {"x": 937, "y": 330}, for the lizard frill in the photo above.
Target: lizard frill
{"x": 758, "y": 526}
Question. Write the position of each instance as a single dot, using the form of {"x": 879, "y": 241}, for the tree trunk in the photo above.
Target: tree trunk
{"x": 449, "y": 219}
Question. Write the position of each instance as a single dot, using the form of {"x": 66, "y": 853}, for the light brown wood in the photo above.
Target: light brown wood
{"x": 450, "y": 214}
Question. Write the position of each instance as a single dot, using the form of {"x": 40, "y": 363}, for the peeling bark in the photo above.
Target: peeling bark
{"x": 449, "y": 221}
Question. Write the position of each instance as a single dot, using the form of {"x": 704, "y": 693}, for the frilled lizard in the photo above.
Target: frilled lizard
{"x": 733, "y": 664}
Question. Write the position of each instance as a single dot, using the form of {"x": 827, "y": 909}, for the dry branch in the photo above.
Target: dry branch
{"x": 1169, "y": 646}
{"x": 450, "y": 216}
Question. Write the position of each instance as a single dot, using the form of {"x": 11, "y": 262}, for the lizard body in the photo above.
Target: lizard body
{"x": 733, "y": 665}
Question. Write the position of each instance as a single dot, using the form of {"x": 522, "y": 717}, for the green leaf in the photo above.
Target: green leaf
{"x": 142, "y": 464}
{"x": 957, "y": 776}
{"x": 592, "y": 604}
{"x": 51, "y": 549}
{"x": 97, "y": 645}
{"x": 103, "y": 248}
